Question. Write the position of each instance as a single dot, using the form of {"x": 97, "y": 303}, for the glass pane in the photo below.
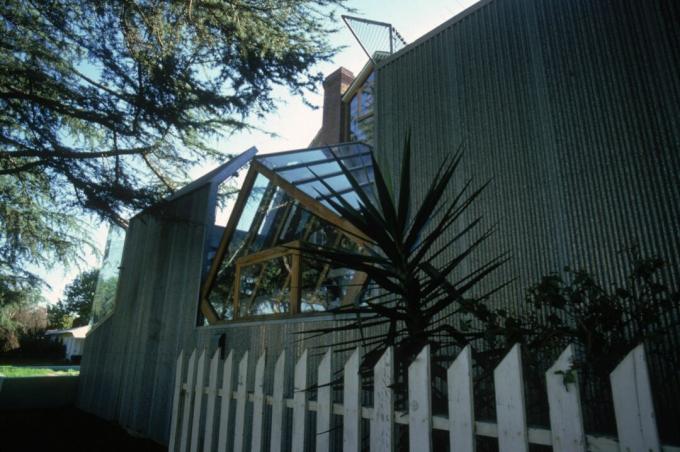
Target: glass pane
{"x": 294, "y": 158}
{"x": 107, "y": 282}
{"x": 367, "y": 95}
{"x": 256, "y": 205}
{"x": 323, "y": 286}
{"x": 272, "y": 217}
{"x": 265, "y": 288}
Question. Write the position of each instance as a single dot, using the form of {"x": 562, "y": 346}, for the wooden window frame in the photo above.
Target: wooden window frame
{"x": 291, "y": 249}
{"x": 305, "y": 201}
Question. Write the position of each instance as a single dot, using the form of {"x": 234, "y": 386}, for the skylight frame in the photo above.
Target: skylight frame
{"x": 315, "y": 207}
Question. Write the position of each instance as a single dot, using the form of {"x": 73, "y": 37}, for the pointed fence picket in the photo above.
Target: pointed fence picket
{"x": 278, "y": 404}
{"x": 258, "y": 406}
{"x": 195, "y": 415}
{"x": 210, "y": 402}
{"x": 324, "y": 404}
{"x": 351, "y": 430}
{"x": 198, "y": 401}
{"x": 241, "y": 397}
{"x": 382, "y": 422}
{"x": 300, "y": 403}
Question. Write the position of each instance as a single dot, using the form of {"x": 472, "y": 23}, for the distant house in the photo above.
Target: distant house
{"x": 571, "y": 107}
{"x": 72, "y": 338}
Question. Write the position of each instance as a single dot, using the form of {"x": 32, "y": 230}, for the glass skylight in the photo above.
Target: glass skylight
{"x": 260, "y": 271}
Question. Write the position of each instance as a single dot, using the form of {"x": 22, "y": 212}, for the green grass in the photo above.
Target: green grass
{"x": 25, "y": 371}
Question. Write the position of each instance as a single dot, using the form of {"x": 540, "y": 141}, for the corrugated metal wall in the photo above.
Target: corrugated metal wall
{"x": 128, "y": 366}
{"x": 572, "y": 107}
{"x": 126, "y": 372}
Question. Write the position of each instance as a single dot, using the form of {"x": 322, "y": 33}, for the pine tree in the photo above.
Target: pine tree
{"x": 104, "y": 106}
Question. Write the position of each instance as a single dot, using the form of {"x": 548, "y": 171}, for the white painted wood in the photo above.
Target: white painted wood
{"x": 210, "y": 402}
{"x": 461, "y": 403}
{"x": 510, "y": 404}
{"x": 351, "y": 422}
{"x": 420, "y": 403}
{"x": 198, "y": 403}
{"x": 241, "y": 399}
{"x": 300, "y": 403}
{"x": 633, "y": 406}
{"x": 564, "y": 398}
{"x": 323, "y": 404}
{"x": 176, "y": 394}
{"x": 225, "y": 405}
{"x": 258, "y": 405}
{"x": 275, "y": 444}
{"x": 188, "y": 398}
{"x": 382, "y": 421}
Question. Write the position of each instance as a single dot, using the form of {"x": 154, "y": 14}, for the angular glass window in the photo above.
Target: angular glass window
{"x": 361, "y": 109}
{"x": 107, "y": 282}
{"x": 259, "y": 269}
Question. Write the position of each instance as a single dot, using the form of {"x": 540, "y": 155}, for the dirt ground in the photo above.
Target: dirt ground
{"x": 66, "y": 429}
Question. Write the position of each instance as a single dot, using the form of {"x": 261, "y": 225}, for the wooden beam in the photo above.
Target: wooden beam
{"x": 229, "y": 230}
{"x": 295, "y": 282}
{"x": 312, "y": 205}
{"x": 208, "y": 311}
{"x": 269, "y": 253}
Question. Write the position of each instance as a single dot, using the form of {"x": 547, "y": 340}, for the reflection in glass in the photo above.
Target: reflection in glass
{"x": 323, "y": 286}
{"x": 107, "y": 282}
{"x": 361, "y": 112}
{"x": 264, "y": 288}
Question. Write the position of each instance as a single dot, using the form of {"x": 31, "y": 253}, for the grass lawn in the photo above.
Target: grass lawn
{"x": 36, "y": 371}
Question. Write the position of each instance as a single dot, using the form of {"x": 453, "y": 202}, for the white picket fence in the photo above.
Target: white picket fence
{"x": 194, "y": 401}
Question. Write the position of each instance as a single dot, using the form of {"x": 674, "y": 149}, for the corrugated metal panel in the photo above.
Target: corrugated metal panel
{"x": 128, "y": 365}
{"x": 573, "y": 108}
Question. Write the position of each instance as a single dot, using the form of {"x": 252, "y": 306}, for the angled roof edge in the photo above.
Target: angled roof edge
{"x": 217, "y": 175}
{"x": 358, "y": 81}
{"x": 435, "y": 31}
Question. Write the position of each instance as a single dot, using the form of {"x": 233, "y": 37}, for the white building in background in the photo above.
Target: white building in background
{"x": 72, "y": 338}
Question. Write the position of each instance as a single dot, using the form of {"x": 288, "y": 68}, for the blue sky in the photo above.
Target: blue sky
{"x": 295, "y": 123}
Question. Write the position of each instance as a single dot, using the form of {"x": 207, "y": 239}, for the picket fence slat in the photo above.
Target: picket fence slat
{"x": 210, "y": 402}
{"x": 564, "y": 400}
{"x": 420, "y": 403}
{"x": 633, "y": 406}
{"x": 510, "y": 405}
{"x": 278, "y": 403}
{"x": 258, "y": 405}
{"x": 193, "y": 418}
{"x": 198, "y": 401}
{"x": 176, "y": 393}
{"x": 225, "y": 404}
{"x": 241, "y": 399}
{"x": 300, "y": 403}
{"x": 188, "y": 397}
{"x": 461, "y": 403}
{"x": 351, "y": 431}
{"x": 382, "y": 421}
{"x": 323, "y": 403}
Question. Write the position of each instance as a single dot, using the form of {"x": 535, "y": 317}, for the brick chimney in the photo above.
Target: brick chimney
{"x": 331, "y": 126}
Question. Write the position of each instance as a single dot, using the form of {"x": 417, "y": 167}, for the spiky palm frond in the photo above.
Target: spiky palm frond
{"x": 413, "y": 249}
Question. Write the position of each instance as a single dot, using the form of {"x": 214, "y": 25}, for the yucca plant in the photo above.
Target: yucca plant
{"x": 416, "y": 257}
